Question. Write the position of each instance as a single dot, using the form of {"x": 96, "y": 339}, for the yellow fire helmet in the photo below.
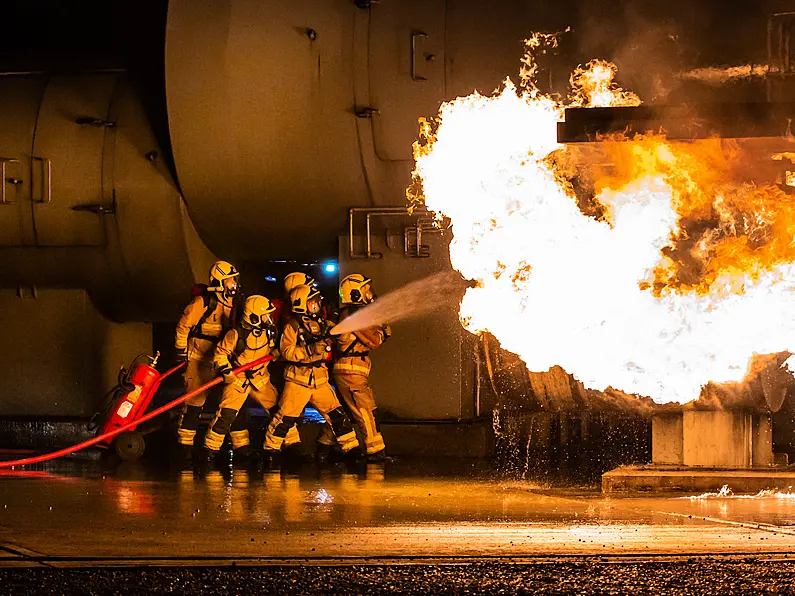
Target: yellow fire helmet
{"x": 256, "y": 312}
{"x": 221, "y": 271}
{"x": 300, "y": 297}
{"x": 352, "y": 289}
{"x": 296, "y": 279}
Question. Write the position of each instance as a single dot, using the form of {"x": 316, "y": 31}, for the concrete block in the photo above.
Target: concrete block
{"x": 74, "y": 360}
{"x": 717, "y": 438}
{"x": 667, "y": 439}
{"x": 650, "y": 479}
{"x": 762, "y": 437}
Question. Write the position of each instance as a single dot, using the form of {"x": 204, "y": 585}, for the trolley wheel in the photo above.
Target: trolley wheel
{"x": 130, "y": 445}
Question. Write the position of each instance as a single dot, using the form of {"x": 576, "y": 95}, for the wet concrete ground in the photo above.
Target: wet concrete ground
{"x": 426, "y": 514}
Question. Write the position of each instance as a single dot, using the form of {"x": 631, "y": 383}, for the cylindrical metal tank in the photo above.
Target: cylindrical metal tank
{"x": 86, "y": 201}
{"x": 283, "y": 115}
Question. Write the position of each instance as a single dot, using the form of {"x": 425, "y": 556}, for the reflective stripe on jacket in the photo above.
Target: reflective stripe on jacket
{"x": 353, "y": 349}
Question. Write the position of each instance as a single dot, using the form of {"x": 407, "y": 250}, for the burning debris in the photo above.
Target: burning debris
{"x": 651, "y": 267}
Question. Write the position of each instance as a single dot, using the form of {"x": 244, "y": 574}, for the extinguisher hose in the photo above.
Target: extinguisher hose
{"x": 132, "y": 423}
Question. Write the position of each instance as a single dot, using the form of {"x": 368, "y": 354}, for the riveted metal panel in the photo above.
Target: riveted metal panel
{"x": 68, "y": 160}
{"x": 137, "y": 253}
{"x": 159, "y": 251}
{"x": 19, "y": 103}
{"x": 407, "y": 56}
{"x": 261, "y": 116}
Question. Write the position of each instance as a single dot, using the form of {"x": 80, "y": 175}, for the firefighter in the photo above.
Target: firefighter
{"x": 352, "y": 366}
{"x": 291, "y": 280}
{"x": 282, "y": 315}
{"x": 252, "y": 339}
{"x": 306, "y": 349}
{"x": 295, "y": 279}
{"x": 203, "y": 323}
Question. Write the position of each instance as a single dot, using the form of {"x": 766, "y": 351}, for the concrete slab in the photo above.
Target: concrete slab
{"x": 645, "y": 479}
{"x": 408, "y": 511}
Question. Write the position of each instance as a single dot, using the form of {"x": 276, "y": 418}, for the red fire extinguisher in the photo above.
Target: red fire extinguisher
{"x": 126, "y": 402}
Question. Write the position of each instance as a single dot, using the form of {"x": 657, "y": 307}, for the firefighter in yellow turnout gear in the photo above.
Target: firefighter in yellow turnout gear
{"x": 298, "y": 278}
{"x": 351, "y": 371}
{"x": 203, "y": 323}
{"x": 254, "y": 338}
{"x": 306, "y": 348}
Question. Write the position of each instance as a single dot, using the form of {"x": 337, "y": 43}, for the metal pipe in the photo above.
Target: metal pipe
{"x": 769, "y": 55}
{"x": 376, "y": 210}
{"x": 780, "y": 44}
{"x": 477, "y": 379}
{"x": 353, "y": 210}
{"x": 370, "y": 254}
{"x": 370, "y": 211}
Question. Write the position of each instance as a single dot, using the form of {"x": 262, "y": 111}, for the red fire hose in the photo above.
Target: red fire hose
{"x": 149, "y": 416}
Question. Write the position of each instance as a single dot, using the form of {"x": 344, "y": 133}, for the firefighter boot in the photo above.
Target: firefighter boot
{"x": 324, "y": 453}
{"x": 183, "y": 456}
{"x": 269, "y": 459}
{"x": 244, "y": 456}
{"x": 205, "y": 458}
{"x": 354, "y": 455}
{"x": 378, "y": 457}
{"x": 295, "y": 454}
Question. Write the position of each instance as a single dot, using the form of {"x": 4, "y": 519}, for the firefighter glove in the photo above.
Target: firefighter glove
{"x": 182, "y": 354}
{"x": 227, "y": 374}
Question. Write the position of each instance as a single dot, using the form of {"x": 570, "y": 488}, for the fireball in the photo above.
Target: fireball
{"x": 670, "y": 273}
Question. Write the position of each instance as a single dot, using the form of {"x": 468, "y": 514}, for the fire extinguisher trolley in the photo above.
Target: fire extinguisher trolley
{"x": 126, "y": 402}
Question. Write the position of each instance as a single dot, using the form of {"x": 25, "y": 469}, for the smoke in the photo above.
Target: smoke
{"x": 673, "y": 52}
{"x": 647, "y": 48}
{"x": 412, "y": 300}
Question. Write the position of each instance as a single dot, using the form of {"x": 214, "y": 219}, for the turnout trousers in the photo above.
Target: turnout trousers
{"x": 356, "y": 393}
{"x": 232, "y": 400}
{"x": 291, "y": 405}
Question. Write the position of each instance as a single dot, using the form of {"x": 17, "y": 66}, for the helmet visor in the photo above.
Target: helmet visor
{"x": 367, "y": 294}
{"x": 230, "y": 286}
{"x": 313, "y": 306}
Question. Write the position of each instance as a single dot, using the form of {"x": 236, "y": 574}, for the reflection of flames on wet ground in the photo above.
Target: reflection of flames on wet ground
{"x": 642, "y": 264}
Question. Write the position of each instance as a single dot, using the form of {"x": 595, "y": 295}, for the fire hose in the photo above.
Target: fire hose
{"x": 131, "y": 424}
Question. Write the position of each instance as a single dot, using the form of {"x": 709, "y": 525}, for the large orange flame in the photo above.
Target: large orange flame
{"x": 670, "y": 275}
